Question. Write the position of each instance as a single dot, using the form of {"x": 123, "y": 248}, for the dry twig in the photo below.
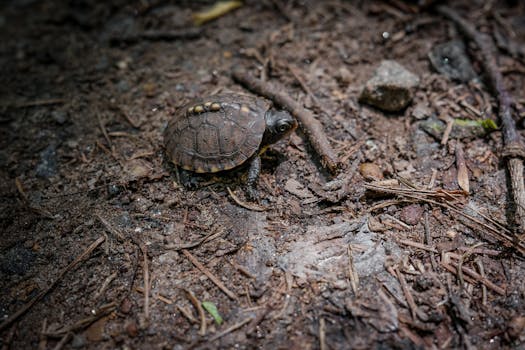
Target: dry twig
{"x": 65, "y": 339}
{"x": 417, "y": 245}
{"x": 210, "y": 275}
{"x": 514, "y": 149}
{"x": 408, "y": 296}
{"x": 210, "y": 236}
{"x": 472, "y": 276}
{"x": 322, "y": 334}
{"x": 245, "y": 205}
{"x": 231, "y": 329}
{"x": 103, "y": 311}
{"x": 147, "y": 285}
{"x": 312, "y": 128}
{"x": 42, "y": 338}
{"x": 160, "y": 297}
{"x": 38, "y": 103}
{"x": 450, "y": 200}
{"x": 428, "y": 240}
{"x": 196, "y": 303}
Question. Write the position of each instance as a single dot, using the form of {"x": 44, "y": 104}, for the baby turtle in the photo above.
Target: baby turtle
{"x": 224, "y": 131}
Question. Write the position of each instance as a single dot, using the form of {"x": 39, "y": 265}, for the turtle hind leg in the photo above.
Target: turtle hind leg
{"x": 253, "y": 175}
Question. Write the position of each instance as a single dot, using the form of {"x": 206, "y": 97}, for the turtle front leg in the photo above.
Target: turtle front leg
{"x": 253, "y": 175}
{"x": 187, "y": 179}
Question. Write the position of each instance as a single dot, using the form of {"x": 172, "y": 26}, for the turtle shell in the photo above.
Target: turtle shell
{"x": 216, "y": 133}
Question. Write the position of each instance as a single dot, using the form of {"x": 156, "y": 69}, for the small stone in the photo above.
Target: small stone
{"x": 123, "y": 64}
{"x": 451, "y": 234}
{"x": 47, "y": 166}
{"x": 132, "y": 329}
{"x": 340, "y": 284}
{"x": 124, "y": 219}
{"x": 78, "y": 341}
{"x": 401, "y": 165}
{"x": 421, "y": 112}
{"x": 516, "y": 327}
{"x": 411, "y": 214}
{"x": 370, "y": 171}
{"x": 391, "y": 87}
{"x": 169, "y": 258}
{"x": 59, "y": 116}
{"x": 123, "y": 86}
{"x": 114, "y": 190}
{"x": 125, "y": 306}
{"x": 344, "y": 76}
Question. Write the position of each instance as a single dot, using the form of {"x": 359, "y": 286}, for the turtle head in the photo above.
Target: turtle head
{"x": 278, "y": 125}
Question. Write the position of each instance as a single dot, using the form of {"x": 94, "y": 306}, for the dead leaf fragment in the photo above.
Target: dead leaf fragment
{"x": 463, "y": 180}
{"x": 138, "y": 168}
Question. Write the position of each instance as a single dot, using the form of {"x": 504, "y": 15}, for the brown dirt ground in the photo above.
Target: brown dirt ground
{"x": 65, "y": 78}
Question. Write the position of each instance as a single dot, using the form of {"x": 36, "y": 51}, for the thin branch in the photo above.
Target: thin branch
{"x": 312, "y": 128}
{"x": 197, "y": 304}
{"x": 231, "y": 329}
{"x": 210, "y": 275}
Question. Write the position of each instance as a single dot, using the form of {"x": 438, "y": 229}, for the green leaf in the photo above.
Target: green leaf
{"x": 212, "y": 310}
{"x": 489, "y": 125}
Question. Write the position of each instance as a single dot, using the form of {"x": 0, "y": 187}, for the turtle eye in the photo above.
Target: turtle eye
{"x": 283, "y": 127}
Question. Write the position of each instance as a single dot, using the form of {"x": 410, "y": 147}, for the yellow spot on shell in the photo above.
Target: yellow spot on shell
{"x": 214, "y": 169}
{"x": 190, "y": 110}
{"x": 198, "y": 109}
{"x": 215, "y": 106}
{"x": 200, "y": 170}
{"x": 245, "y": 109}
{"x": 207, "y": 104}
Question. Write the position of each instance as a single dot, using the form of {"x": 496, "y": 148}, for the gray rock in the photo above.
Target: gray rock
{"x": 421, "y": 112}
{"x": 391, "y": 87}
{"x": 47, "y": 165}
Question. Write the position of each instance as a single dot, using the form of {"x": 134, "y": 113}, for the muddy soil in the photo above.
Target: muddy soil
{"x": 103, "y": 248}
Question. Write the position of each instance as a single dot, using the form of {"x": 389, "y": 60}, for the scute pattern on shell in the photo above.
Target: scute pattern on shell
{"x": 216, "y": 139}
